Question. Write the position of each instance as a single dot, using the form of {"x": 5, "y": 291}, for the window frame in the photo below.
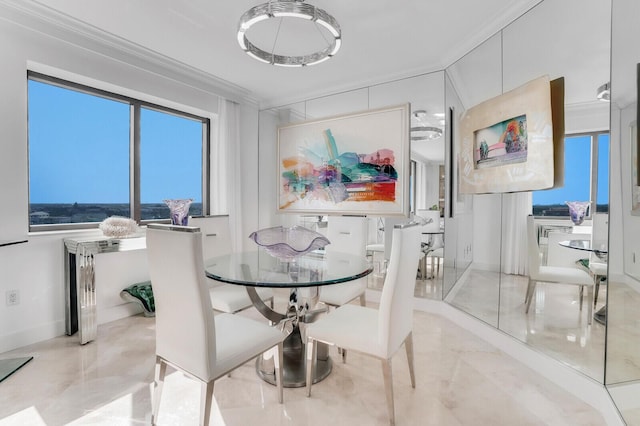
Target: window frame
{"x": 593, "y": 182}
{"x": 135, "y": 105}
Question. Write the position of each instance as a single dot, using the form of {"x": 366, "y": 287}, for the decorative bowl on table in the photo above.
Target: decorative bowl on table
{"x": 288, "y": 243}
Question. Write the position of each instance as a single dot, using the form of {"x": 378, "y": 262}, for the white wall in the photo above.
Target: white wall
{"x": 35, "y": 268}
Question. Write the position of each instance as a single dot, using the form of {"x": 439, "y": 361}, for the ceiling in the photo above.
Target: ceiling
{"x": 382, "y": 41}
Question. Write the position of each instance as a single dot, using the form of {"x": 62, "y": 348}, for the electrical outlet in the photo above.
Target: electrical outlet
{"x": 12, "y": 297}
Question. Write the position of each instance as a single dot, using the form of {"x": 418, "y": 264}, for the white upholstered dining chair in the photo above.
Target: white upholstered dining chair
{"x": 347, "y": 235}
{"x": 599, "y": 239}
{"x": 552, "y": 274}
{"x": 376, "y": 332}
{"x": 188, "y": 335}
{"x": 216, "y": 241}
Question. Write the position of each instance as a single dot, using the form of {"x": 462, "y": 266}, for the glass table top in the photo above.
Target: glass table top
{"x": 601, "y": 252}
{"x": 582, "y": 245}
{"x": 260, "y": 269}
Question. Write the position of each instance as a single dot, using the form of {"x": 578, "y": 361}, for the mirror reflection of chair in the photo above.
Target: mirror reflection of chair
{"x": 434, "y": 257}
{"x": 552, "y": 274}
{"x": 558, "y": 255}
{"x": 216, "y": 241}
{"x": 347, "y": 235}
{"x": 376, "y": 332}
{"x": 188, "y": 335}
{"x": 432, "y": 245}
{"x": 599, "y": 240}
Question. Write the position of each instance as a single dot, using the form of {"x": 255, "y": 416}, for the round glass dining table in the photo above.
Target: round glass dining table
{"x": 303, "y": 276}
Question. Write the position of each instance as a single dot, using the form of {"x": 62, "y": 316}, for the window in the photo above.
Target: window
{"x": 586, "y": 176}
{"x": 94, "y": 154}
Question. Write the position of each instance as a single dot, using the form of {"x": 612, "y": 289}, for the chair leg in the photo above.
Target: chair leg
{"x": 311, "y": 356}
{"x": 206, "y": 402}
{"x": 161, "y": 370}
{"x": 596, "y": 290}
{"x": 278, "y": 360}
{"x": 581, "y": 296}
{"x": 423, "y": 267}
{"x": 388, "y": 387}
{"x": 343, "y": 352}
{"x": 408, "y": 346}
{"x": 526, "y": 293}
{"x": 590, "y": 297}
{"x": 531, "y": 289}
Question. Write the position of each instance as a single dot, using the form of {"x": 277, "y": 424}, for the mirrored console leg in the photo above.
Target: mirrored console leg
{"x": 80, "y": 288}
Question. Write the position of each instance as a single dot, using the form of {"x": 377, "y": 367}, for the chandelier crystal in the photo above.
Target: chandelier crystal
{"x": 289, "y": 9}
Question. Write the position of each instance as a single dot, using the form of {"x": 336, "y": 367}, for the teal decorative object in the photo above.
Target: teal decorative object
{"x": 142, "y": 294}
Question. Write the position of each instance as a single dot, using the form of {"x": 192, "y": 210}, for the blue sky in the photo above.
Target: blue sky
{"x": 577, "y": 174}
{"x": 79, "y": 150}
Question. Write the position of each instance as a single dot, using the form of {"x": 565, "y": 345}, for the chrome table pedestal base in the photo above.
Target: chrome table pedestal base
{"x": 294, "y": 363}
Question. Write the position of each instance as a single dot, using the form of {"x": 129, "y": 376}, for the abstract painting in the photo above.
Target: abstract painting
{"x": 506, "y": 144}
{"x": 351, "y": 164}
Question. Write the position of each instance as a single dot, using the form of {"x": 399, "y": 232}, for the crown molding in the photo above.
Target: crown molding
{"x": 40, "y": 18}
{"x": 489, "y": 29}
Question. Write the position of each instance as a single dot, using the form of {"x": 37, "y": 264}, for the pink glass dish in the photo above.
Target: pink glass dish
{"x": 288, "y": 243}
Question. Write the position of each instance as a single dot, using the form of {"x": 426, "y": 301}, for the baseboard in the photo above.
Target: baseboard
{"x": 32, "y": 335}
{"x": 626, "y": 395}
{"x": 117, "y": 312}
{"x": 626, "y": 279}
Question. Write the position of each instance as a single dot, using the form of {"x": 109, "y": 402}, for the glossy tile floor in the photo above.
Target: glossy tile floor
{"x": 461, "y": 380}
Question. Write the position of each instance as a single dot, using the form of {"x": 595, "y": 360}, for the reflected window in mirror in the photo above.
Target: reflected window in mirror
{"x": 586, "y": 177}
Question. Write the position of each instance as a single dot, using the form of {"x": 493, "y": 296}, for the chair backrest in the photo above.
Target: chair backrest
{"x": 185, "y": 330}
{"x": 600, "y": 230}
{"x": 395, "y": 315}
{"x": 389, "y": 223}
{"x": 533, "y": 248}
{"x": 347, "y": 235}
{"x": 216, "y": 235}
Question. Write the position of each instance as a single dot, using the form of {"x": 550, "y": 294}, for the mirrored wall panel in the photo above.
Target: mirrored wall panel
{"x": 558, "y": 318}
{"x": 623, "y": 304}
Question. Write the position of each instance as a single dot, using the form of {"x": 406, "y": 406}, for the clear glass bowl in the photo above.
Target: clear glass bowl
{"x": 288, "y": 243}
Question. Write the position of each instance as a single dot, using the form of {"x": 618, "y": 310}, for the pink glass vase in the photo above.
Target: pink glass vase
{"x": 578, "y": 210}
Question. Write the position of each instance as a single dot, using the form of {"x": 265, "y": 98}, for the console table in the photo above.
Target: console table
{"x": 80, "y": 285}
